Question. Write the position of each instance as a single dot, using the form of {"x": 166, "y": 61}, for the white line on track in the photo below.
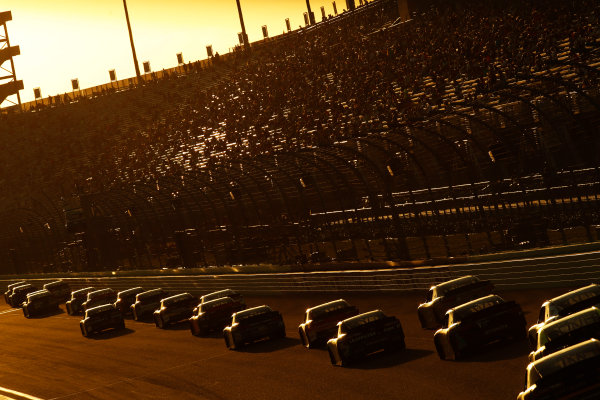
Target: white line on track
{"x": 76, "y": 394}
{"x": 9, "y": 311}
{"x": 14, "y": 395}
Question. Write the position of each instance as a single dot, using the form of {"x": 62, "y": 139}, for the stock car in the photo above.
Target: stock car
{"x": 213, "y": 315}
{"x": 444, "y": 296}
{"x": 10, "y": 287}
{"x": 60, "y": 289}
{"x": 232, "y": 294}
{"x": 40, "y": 303}
{"x": 77, "y": 298}
{"x": 364, "y": 334}
{"x": 566, "y": 332}
{"x": 19, "y": 294}
{"x": 564, "y": 305}
{"x": 100, "y": 318}
{"x": 146, "y": 303}
{"x": 571, "y": 373}
{"x": 478, "y": 323}
{"x": 174, "y": 309}
{"x": 126, "y": 298}
{"x": 98, "y": 298}
{"x": 253, "y": 324}
{"x": 320, "y": 323}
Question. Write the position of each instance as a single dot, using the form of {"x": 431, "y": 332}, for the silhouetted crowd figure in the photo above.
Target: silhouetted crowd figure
{"x": 362, "y": 73}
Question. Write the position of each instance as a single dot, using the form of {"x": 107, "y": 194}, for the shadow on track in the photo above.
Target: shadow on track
{"x": 504, "y": 351}
{"x": 269, "y": 346}
{"x": 179, "y": 326}
{"x": 389, "y": 359}
{"x": 111, "y": 334}
{"x": 49, "y": 314}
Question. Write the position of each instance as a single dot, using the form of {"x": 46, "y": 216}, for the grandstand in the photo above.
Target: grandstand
{"x": 472, "y": 127}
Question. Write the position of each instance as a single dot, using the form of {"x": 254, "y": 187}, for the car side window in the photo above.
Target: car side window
{"x": 429, "y": 296}
{"x": 447, "y": 320}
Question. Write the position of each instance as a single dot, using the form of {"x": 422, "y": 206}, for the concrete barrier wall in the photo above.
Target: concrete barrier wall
{"x": 565, "y": 271}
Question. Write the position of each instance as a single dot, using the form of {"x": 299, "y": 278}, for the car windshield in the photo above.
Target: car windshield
{"x": 98, "y": 310}
{"x": 575, "y": 297}
{"x": 169, "y": 301}
{"x": 130, "y": 292}
{"x": 323, "y": 310}
{"x": 99, "y": 293}
{"x": 555, "y": 362}
{"x": 568, "y": 324}
{"x": 461, "y": 312}
{"x": 360, "y": 320}
{"x": 150, "y": 294}
{"x": 217, "y": 295}
{"x": 251, "y": 312}
{"x": 81, "y": 292}
{"x": 443, "y": 288}
{"x": 38, "y": 295}
{"x": 55, "y": 285}
{"x": 209, "y": 305}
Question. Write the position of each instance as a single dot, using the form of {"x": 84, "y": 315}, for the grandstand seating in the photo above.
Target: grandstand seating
{"x": 413, "y": 140}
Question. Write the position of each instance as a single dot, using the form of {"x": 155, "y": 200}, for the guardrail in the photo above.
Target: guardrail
{"x": 554, "y": 271}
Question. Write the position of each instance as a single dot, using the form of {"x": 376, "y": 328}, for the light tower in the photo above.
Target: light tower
{"x": 135, "y": 60}
{"x": 9, "y": 85}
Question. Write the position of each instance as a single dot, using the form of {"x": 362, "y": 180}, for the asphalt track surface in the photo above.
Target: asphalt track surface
{"x": 50, "y": 359}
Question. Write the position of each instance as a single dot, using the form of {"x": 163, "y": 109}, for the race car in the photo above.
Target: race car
{"x": 60, "y": 289}
{"x": 566, "y": 332}
{"x": 98, "y": 298}
{"x": 146, "y": 303}
{"x": 77, "y": 299}
{"x": 564, "y": 305}
{"x": 9, "y": 289}
{"x": 213, "y": 315}
{"x": 571, "y": 373}
{"x": 126, "y": 298}
{"x": 19, "y": 294}
{"x": 40, "y": 303}
{"x": 444, "y": 296}
{"x": 253, "y": 324}
{"x": 232, "y": 294}
{"x": 100, "y": 318}
{"x": 320, "y": 323}
{"x": 364, "y": 334}
{"x": 472, "y": 326}
{"x": 174, "y": 309}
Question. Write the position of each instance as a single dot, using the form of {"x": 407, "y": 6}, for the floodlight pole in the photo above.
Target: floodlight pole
{"x": 311, "y": 16}
{"x": 135, "y": 60}
{"x": 244, "y": 35}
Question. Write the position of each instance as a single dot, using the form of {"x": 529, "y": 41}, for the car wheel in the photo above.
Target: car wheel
{"x": 84, "y": 331}
{"x": 227, "y": 343}
{"x": 26, "y": 312}
{"x": 331, "y": 356}
{"x": 304, "y": 338}
{"x": 440, "y": 349}
{"x": 159, "y": 322}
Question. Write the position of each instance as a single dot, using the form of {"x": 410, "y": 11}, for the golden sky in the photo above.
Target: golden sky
{"x": 65, "y": 39}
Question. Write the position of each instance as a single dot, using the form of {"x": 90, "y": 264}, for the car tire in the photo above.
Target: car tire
{"x": 304, "y": 338}
{"x": 227, "y": 343}
{"x": 26, "y": 312}
{"x": 158, "y": 321}
{"x": 331, "y": 356}
{"x": 84, "y": 331}
{"x": 440, "y": 349}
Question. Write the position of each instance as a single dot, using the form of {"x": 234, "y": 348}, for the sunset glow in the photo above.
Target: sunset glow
{"x": 67, "y": 39}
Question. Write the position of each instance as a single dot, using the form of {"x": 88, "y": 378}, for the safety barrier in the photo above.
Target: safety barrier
{"x": 564, "y": 270}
